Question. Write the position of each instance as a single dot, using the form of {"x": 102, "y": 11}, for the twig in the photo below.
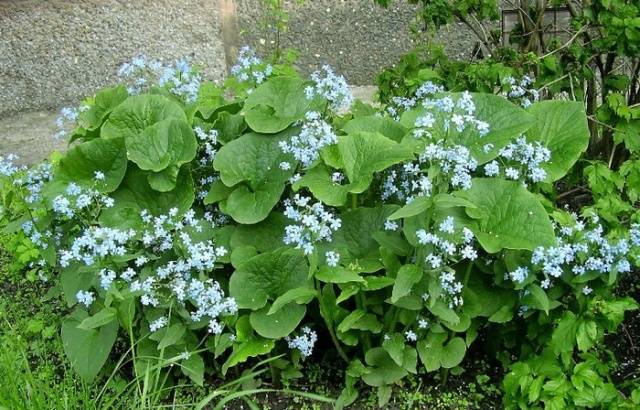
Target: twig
{"x": 565, "y": 45}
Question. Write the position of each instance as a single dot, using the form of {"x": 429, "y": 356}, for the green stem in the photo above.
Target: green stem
{"x": 467, "y": 273}
{"x": 313, "y": 266}
{"x": 361, "y": 303}
{"x": 329, "y": 325}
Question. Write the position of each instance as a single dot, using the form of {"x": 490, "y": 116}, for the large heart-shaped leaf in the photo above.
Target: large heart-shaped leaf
{"x": 87, "y": 349}
{"x": 358, "y": 227}
{"x": 265, "y": 236}
{"x": 251, "y": 163}
{"x": 136, "y": 113}
{"x": 167, "y": 142}
{"x": 276, "y": 104}
{"x": 267, "y": 276}
{"x": 364, "y": 153}
{"x": 136, "y": 195}
{"x": 81, "y": 163}
{"x": 508, "y": 216}
{"x": 434, "y": 353}
{"x": 562, "y": 127}
{"x": 319, "y": 181}
{"x": 383, "y": 369}
{"x": 103, "y": 103}
{"x": 506, "y": 122}
{"x": 373, "y": 123}
{"x": 278, "y": 324}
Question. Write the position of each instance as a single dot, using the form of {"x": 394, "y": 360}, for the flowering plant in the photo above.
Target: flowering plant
{"x": 240, "y": 227}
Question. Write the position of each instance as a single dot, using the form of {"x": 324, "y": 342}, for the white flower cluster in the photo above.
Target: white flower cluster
{"x": 314, "y": 223}
{"x": 249, "y": 67}
{"x": 519, "y": 90}
{"x": 448, "y": 246}
{"x": 95, "y": 243}
{"x": 446, "y": 114}
{"x": 406, "y": 182}
{"x": 304, "y": 342}
{"x": 455, "y": 162}
{"x": 77, "y": 198}
{"x": 332, "y": 87}
{"x": 314, "y": 135}
{"x": 158, "y": 324}
{"x": 8, "y": 167}
{"x": 179, "y": 77}
{"x": 578, "y": 251}
{"x": 333, "y": 258}
{"x": 528, "y": 158}
{"x": 210, "y": 302}
{"x": 85, "y": 297}
{"x": 68, "y": 116}
{"x": 38, "y": 238}
{"x": 208, "y": 142}
{"x": 31, "y": 179}
{"x": 400, "y": 104}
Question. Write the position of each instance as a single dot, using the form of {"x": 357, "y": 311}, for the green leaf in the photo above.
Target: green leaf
{"x": 73, "y": 279}
{"x": 297, "y": 295}
{"x": 251, "y": 164}
{"x": 81, "y": 163}
{"x": 278, "y": 324}
{"x": 193, "y": 367}
{"x": 264, "y": 236}
{"x": 136, "y": 113}
{"x": 172, "y": 335}
{"x": 415, "y": 207}
{"x": 373, "y": 123}
{"x": 135, "y": 194}
{"x": 408, "y": 275}
{"x": 165, "y": 180}
{"x": 103, "y": 317}
{"x": 358, "y": 227}
{"x": 267, "y": 276}
{"x": 167, "y": 142}
{"x": 245, "y": 350}
{"x": 319, "y": 181}
{"x": 210, "y": 98}
{"x": 539, "y": 298}
{"x": 435, "y": 354}
{"x": 337, "y": 274}
{"x": 87, "y": 350}
{"x": 444, "y": 312}
{"x": 276, "y": 104}
{"x": 348, "y": 322}
{"x": 506, "y": 120}
{"x": 453, "y": 353}
{"x": 217, "y": 193}
{"x": 383, "y": 370}
{"x": 229, "y": 126}
{"x": 563, "y": 338}
{"x": 364, "y": 153}
{"x": 104, "y": 102}
{"x": 562, "y": 127}
{"x": 394, "y": 345}
{"x": 509, "y": 216}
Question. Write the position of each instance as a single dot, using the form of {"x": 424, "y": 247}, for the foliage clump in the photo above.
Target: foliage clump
{"x": 222, "y": 223}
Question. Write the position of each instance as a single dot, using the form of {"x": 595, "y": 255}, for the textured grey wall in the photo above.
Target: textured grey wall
{"x": 55, "y": 52}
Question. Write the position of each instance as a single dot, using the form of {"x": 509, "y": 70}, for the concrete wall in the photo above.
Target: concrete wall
{"x": 54, "y": 52}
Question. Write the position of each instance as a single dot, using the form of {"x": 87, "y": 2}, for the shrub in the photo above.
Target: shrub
{"x": 217, "y": 224}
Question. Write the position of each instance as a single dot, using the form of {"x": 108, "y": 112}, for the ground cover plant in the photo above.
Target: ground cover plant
{"x": 273, "y": 218}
